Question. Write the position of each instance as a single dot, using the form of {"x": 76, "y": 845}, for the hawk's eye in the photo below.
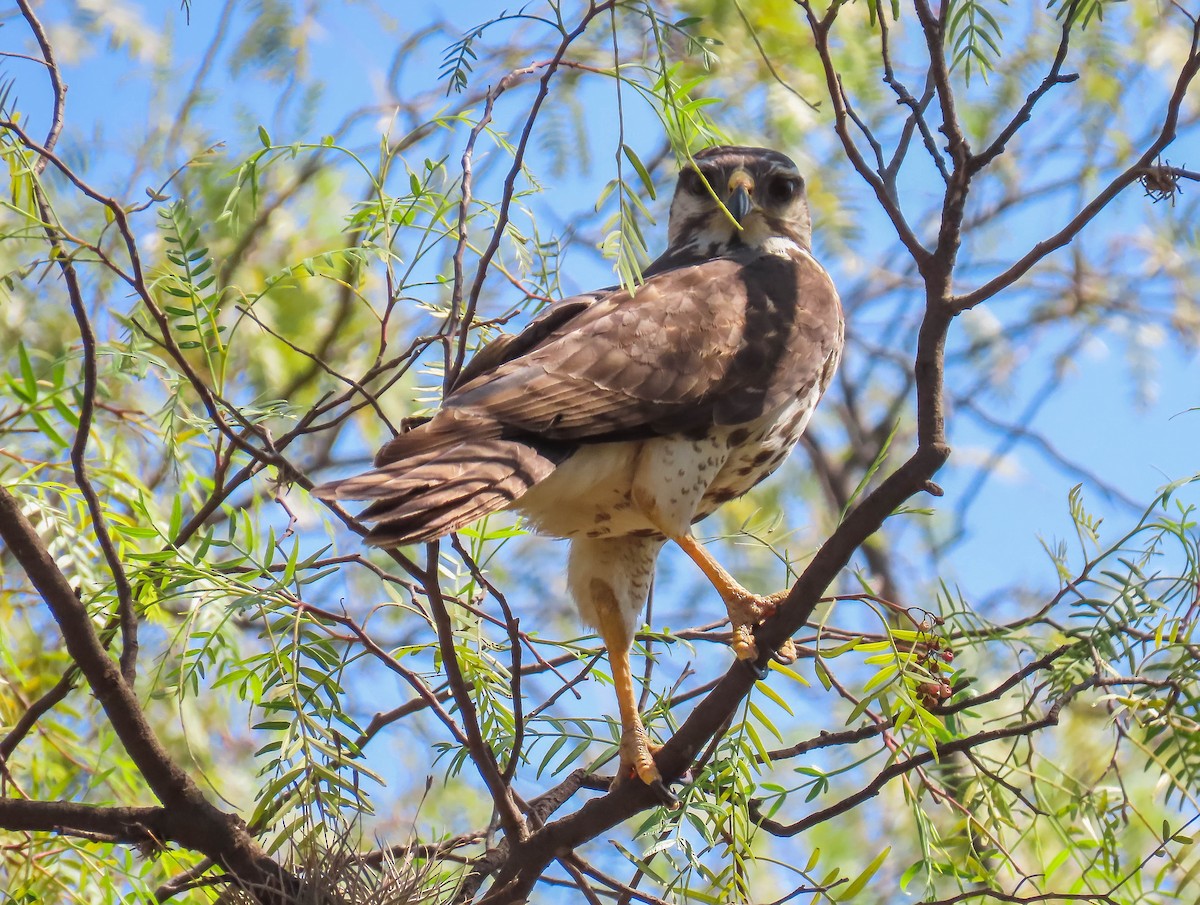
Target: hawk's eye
{"x": 783, "y": 188}
{"x": 692, "y": 182}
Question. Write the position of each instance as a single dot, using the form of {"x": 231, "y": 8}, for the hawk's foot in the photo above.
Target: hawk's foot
{"x": 637, "y": 760}
{"x": 787, "y": 652}
{"x": 747, "y": 610}
{"x": 742, "y": 642}
{"x": 637, "y": 756}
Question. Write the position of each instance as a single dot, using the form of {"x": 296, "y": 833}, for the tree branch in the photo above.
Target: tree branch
{"x": 463, "y": 324}
{"x": 820, "y": 29}
{"x": 873, "y": 788}
{"x": 481, "y": 752}
{"x": 1023, "y": 115}
{"x": 1089, "y": 212}
{"x": 192, "y": 820}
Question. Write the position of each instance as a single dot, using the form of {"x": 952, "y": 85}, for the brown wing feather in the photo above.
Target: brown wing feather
{"x": 513, "y": 345}
{"x": 717, "y": 343}
{"x": 554, "y": 318}
{"x": 452, "y": 482}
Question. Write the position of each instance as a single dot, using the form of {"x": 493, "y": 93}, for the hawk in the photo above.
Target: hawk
{"x": 620, "y": 417}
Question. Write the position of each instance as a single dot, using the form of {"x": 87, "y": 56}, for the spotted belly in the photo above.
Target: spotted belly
{"x": 755, "y": 452}
{"x": 603, "y": 489}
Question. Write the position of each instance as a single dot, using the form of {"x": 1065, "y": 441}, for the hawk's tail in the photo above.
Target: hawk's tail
{"x": 426, "y": 496}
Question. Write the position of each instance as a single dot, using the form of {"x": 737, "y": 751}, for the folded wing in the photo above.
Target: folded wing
{"x": 717, "y": 343}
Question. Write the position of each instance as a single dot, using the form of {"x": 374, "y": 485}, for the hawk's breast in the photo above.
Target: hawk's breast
{"x": 592, "y": 493}
{"x": 756, "y": 451}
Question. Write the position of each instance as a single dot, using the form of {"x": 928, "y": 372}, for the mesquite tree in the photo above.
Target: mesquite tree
{"x": 210, "y": 690}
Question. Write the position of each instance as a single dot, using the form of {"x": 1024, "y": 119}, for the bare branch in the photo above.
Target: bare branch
{"x": 1023, "y": 115}
{"x": 1093, "y": 208}
{"x": 820, "y": 29}
{"x": 57, "y": 85}
{"x": 481, "y": 752}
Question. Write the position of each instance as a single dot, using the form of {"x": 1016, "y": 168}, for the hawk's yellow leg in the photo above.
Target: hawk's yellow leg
{"x": 745, "y": 609}
{"x": 636, "y": 753}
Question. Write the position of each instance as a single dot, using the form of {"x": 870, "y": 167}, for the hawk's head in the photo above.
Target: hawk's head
{"x": 763, "y": 199}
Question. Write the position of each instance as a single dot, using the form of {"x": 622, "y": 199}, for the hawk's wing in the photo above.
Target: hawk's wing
{"x": 555, "y": 316}
{"x": 716, "y": 343}
{"x": 508, "y": 346}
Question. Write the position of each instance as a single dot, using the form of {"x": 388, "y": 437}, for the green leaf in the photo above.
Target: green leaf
{"x": 643, "y": 173}
{"x": 856, "y": 885}
{"x": 880, "y": 458}
{"x": 555, "y": 747}
{"x": 882, "y": 677}
{"x": 830, "y": 878}
{"x": 27, "y": 375}
{"x": 756, "y": 741}
{"x": 641, "y": 863}
{"x": 790, "y": 673}
{"x": 842, "y": 648}
{"x": 176, "y": 523}
{"x": 289, "y": 571}
{"x": 135, "y": 532}
{"x": 822, "y": 672}
{"x": 264, "y": 137}
{"x": 916, "y": 867}
{"x": 48, "y": 430}
{"x": 65, "y": 412}
{"x": 573, "y": 754}
{"x": 859, "y": 709}
{"x": 764, "y": 721}
{"x": 867, "y": 646}
{"x": 775, "y": 696}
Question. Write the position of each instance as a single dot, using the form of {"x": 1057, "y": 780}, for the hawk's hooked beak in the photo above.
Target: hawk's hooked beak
{"x": 741, "y": 186}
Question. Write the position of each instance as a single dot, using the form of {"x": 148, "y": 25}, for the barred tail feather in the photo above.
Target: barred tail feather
{"x": 428, "y": 495}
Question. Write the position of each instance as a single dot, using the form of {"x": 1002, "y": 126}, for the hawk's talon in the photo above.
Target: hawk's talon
{"x": 637, "y": 757}
{"x": 747, "y": 610}
{"x": 742, "y": 642}
{"x": 638, "y": 764}
{"x": 759, "y": 672}
{"x": 665, "y": 796}
{"x": 787, "y": 653}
